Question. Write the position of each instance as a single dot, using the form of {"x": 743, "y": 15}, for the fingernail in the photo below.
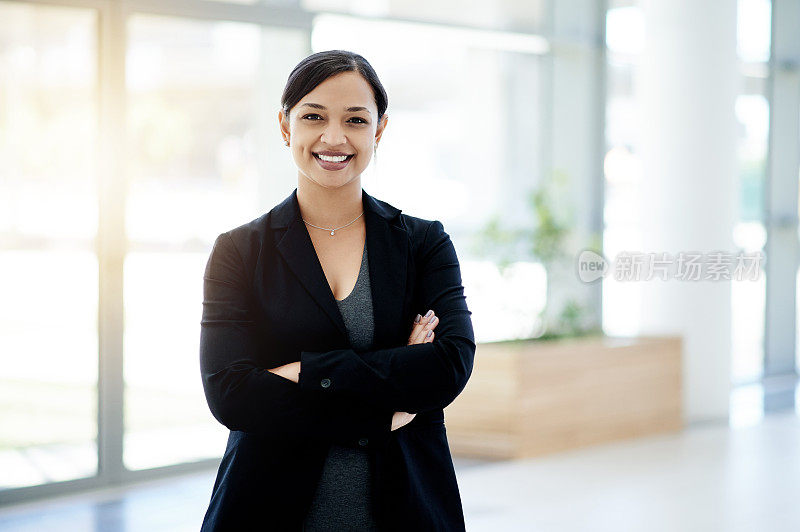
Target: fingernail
{"x": 429, "y": 313}
{"x": 416, "y": 320}
{"x": 429, "y": 334}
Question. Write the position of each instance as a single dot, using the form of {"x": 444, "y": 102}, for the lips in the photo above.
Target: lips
{"x": 333, "y": 165}
{"x": 330, "y": 152}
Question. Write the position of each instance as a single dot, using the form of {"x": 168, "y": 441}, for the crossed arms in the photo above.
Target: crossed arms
{"x": 342, "y": 395}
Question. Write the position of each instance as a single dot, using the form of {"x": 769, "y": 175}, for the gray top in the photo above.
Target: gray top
{"x": 343, "y": 498}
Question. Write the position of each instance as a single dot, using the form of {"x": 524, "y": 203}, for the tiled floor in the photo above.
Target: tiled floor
{"x": 708, "y": 478}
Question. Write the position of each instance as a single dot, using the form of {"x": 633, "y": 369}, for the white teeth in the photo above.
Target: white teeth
{"x": 332, "y": 158}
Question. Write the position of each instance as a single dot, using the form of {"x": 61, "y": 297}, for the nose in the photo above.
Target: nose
{"x": 333, "y": 135}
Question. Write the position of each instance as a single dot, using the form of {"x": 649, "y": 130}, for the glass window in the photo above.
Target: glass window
{"x": 508, "y": 15}
{"x": 48, "y": 264}
{"x": 205, "y": 155}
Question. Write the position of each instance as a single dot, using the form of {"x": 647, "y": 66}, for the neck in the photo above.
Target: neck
{"x": 329, "y": 207}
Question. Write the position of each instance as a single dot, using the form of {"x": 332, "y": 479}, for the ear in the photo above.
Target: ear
{"x": 381, "y": 127}
{"x": 283, "y": 124}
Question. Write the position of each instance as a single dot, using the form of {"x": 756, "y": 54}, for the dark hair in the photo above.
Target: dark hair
{"x": 318, "y": 67}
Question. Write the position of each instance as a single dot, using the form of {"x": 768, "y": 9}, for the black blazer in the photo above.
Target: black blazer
{"x": 267, "y": 303}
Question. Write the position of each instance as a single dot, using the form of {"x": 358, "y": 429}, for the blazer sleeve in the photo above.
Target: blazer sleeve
{"x": 412, "y": 378}
{"x": 246, "y": 397}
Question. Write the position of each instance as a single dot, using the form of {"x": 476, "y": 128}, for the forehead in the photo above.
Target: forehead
{"x": 346, "y": 89}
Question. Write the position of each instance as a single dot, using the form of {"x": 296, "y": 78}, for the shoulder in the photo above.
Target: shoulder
{"x": 415, "y": 226}
{"x": 243, "y": 241}
{"x": 423, "y": 233}
{"x": 421, "y": 229}
{"x": 257, "y": 226}
{"x": 426, "y": 236}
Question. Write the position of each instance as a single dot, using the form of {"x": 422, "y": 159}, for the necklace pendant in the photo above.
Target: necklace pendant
{"x": 331, "y": 233}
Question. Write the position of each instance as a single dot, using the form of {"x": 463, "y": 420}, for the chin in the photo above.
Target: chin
{"x": 332, "y": 180}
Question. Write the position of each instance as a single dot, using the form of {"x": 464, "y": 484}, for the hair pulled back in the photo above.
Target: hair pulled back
{"x": 318, "y": 67}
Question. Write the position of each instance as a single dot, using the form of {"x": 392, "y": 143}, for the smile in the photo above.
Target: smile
{"x": 333, "y": 162}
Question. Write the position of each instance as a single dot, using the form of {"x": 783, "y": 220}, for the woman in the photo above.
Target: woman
{"x": 313, "y": 349}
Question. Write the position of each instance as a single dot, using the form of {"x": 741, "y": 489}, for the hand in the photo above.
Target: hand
{"x": 289, "y": 371}
{"x": 419, "y": 335}
{"x": 422, "y": 327}
{"x": 401, "y": 419}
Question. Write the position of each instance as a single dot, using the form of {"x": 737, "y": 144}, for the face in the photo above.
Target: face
{"x": 333, "y": 129}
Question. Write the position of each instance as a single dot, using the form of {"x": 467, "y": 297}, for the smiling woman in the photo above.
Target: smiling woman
{"x": 331, "y": 133}
{"x": 318, "y": 349}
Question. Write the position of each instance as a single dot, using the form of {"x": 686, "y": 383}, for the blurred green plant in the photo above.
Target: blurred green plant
{"x": 546, "y": 241}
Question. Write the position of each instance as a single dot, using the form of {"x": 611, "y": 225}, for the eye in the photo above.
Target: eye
{"x": 360, "y": 120}
{"x": 310, "y": 115}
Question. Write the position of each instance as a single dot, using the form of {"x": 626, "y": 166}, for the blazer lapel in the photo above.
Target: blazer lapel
{"x": 388, "y": 249}
{"x": 387, "y": 252}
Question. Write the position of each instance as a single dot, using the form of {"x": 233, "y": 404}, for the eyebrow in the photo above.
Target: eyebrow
{"x": 349, "y": 109}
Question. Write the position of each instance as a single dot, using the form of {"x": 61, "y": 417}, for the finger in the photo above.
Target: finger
{"x": 426, "y": 319}
{"x": 415, "y": 329}
{"x": 434, "y": 321}
{"x": 422, "y": 334}
{"x": 418, "y": 332}
{"x": 429, "y": 338}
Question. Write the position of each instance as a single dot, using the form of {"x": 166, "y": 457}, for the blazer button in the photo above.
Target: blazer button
{"x": 363, "y": 442}
{"x": 325, "y": 383}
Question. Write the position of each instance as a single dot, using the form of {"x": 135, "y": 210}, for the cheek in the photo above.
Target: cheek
{"x": 364, "y": 152}
{"x": 299, "y": 152}
{"x": 301, "y": 143}
{"x": 366, "y": 144}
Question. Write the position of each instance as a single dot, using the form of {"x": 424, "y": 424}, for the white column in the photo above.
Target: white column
{"x": 688, "y": 85}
